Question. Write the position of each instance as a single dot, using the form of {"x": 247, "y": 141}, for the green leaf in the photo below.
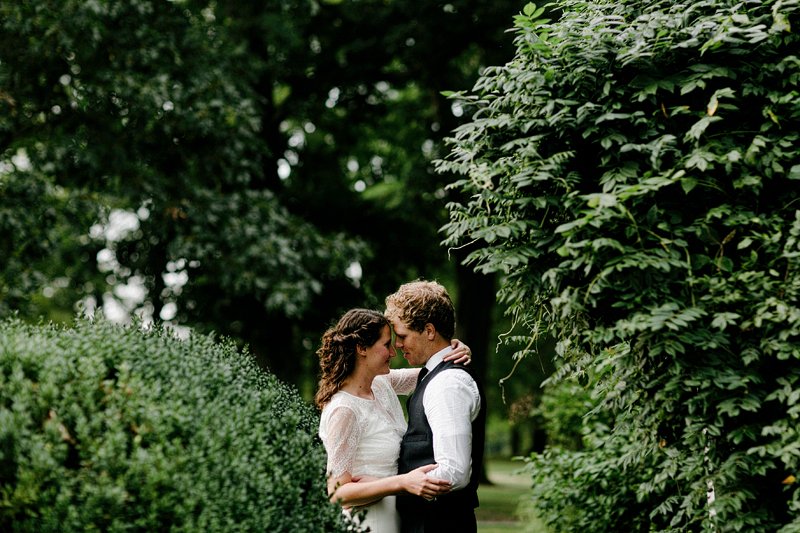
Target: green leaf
{"x": 531, "y": 11}
{"x": 725, "y": 264}
{"x": 699, "y": 127}
{"x": 687, "y": 184}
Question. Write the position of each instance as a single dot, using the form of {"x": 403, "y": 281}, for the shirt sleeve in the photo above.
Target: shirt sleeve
{"x": 451, "y": 403}
{"x": 403, "y": 380}
{"x": 341, "y": 436}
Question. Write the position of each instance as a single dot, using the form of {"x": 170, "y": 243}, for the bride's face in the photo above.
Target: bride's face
{"x": 378, "y": 357}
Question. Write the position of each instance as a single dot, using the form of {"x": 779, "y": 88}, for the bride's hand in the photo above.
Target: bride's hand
{"x": 418, "y": 483}
{"x": 460, "y": 354}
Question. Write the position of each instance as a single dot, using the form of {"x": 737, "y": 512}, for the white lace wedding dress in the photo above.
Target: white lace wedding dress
{"x": 363, "y": 436}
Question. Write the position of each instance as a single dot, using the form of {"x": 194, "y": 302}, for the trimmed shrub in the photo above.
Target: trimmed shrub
{"x": 633, "y": 174}
{"x": 111, "y": 428}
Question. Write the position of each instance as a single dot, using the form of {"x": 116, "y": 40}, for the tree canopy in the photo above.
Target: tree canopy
{"x": 239, "y": 167}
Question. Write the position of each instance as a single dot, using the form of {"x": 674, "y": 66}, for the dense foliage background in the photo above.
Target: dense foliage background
{"x": 633, "y": 176}
{"x": 243, "y": 167}
{"x": 110, "y": 428}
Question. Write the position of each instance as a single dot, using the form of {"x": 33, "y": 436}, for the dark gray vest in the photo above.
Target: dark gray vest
{"x": 416, "y": 449}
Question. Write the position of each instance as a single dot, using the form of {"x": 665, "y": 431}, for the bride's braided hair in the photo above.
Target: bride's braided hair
{"x": 337, "y": 353}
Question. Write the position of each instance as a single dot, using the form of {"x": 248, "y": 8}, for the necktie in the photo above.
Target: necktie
{"x": 421, "y": 375}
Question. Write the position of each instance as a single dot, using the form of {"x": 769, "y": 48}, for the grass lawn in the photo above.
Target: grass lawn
{"x": 500, "y": 502}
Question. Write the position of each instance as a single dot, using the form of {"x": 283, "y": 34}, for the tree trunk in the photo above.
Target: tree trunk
{"x": 474, "y": 308}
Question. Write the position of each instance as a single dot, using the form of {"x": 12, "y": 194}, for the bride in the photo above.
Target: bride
{"x": 362, "y": 420}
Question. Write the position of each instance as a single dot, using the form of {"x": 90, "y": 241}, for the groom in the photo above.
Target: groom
{"x": 446, "y": 413}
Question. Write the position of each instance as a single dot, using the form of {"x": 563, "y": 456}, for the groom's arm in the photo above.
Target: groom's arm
{"x": 451, "y": 403}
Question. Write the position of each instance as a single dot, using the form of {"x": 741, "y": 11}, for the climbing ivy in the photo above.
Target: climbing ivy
{"x": 633, "y": 175}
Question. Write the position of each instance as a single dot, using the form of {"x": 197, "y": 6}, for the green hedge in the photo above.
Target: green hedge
{"x": 111, "y": 428}
{"x": 633, "y": 174}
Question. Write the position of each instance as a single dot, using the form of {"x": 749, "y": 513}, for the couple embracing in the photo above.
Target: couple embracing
{"x": 418, "y": 476}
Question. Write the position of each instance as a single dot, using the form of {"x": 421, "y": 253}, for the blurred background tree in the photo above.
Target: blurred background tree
{"x": 247, "y": 168}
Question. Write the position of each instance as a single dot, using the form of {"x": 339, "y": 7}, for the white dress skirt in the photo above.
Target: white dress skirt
{"x": 363, "y": 437}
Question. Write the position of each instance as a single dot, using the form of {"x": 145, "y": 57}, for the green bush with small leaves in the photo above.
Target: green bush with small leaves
{"x": 633, "y": 174}
{"x": 110, "y": 428}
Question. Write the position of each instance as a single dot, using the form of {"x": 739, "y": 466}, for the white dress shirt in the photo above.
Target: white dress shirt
{"x": 451, "y": 403}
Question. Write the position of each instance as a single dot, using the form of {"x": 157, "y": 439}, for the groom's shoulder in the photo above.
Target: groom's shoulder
{"x": 457, "y": 372}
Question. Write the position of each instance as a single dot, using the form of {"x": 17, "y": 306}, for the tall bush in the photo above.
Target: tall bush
{"x": 633, "y": 174}
{"x": 105, "y": 428}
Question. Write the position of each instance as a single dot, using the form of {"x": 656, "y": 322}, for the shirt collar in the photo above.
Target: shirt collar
{"x": 437, "y": 357}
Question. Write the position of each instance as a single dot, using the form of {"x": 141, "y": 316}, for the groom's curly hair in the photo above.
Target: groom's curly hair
{"x": 423, "y": 302}
{"x": 337, "y": 353}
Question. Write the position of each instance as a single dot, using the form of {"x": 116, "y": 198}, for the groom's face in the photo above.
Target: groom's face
{"x": 410, "y": 342}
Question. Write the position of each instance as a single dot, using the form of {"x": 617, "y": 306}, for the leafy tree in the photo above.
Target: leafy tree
{"x": 632, "y": 174}
{"x": 265, "y": 149}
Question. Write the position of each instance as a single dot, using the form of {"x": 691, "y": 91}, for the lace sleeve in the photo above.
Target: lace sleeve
{"x": 341, "y": 437}
{"x": 403, "y": 380}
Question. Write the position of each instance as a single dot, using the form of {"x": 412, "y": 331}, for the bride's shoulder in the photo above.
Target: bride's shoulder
{"x": 383, "y": 381}
{"x": 339, "y": 407}
{"x": 338, "y": 399}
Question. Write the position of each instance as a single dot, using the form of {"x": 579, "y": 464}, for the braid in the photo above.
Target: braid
{"x": 337, "y": 351}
